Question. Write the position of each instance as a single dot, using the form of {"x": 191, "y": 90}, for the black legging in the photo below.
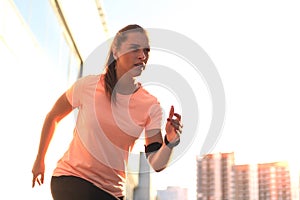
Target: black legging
{"x": 75, "y": 188}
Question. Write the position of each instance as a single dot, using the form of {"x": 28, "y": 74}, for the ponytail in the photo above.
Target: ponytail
{"x": 110, "y": 77}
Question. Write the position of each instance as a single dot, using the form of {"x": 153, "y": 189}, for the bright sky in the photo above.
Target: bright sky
{"x": 255, "y": 46}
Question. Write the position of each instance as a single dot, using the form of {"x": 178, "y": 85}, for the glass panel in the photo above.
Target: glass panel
{"x": 44, "y": 24}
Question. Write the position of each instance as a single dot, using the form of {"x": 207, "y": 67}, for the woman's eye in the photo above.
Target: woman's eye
{"x": 146, "y": 50}
{"x": 135, "y": 49}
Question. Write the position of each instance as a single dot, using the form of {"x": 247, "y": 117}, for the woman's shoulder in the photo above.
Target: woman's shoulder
{"x": 88, "y": 79}
{"x": 85, "y": 82}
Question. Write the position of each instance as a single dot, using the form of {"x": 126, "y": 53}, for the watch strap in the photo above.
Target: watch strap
{"x": 171, "y": 144}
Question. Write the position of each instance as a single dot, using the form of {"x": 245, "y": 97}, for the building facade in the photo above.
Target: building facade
{"x": 142, "y": 190}
{"x": 172, "y": 193}
{"x": 214, "y": 176}
{"x": 41, "y": 56}
{"x": 218, "y": 178}
{"x": 245, "y": 182}
{"x": 274, "y": 181}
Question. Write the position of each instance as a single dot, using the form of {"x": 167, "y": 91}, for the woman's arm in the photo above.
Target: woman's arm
{"x": 159, "y": 159}
{"x": 61, "y": 108}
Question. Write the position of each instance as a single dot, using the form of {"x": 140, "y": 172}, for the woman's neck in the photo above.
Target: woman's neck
{"x": 126, "y": 85}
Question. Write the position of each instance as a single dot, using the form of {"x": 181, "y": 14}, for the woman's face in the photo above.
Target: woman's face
{"x": 132, "y": 55}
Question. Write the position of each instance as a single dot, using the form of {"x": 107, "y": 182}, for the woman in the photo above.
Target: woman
{"x": 113, "y": 111}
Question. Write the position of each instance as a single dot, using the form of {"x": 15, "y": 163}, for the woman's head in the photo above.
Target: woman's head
{"x": 128, "y": 55}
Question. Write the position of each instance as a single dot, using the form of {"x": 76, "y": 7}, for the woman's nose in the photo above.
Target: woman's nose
{"x": 142, "y": 55}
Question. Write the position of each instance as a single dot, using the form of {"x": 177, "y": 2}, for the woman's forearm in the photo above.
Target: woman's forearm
{"x": 160, "y": 159}
{"x": 61, "y": 108}
{"x": 46, "y": 136}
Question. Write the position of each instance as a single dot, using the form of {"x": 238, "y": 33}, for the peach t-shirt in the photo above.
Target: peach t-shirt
{"x": 105, "y": 132}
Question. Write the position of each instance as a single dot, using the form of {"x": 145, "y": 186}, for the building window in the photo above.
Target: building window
{"x": 51, "y": 37}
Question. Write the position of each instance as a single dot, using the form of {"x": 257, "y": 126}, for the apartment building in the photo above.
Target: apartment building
{"x": 219, "y": 178}
{"x": 274, "y": 181}
{"x": 214, "y": 176}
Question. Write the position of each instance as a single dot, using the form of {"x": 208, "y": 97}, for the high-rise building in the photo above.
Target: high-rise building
{"x": 172, "y": 193}
{"x": 142, "y": 190}
{"x": 227, "y": 162}
{"x": 218, "y": 178}
{"x": 214, "y": 176}
{"x": 274, "y": 181}
{"x": 245, "y": 182}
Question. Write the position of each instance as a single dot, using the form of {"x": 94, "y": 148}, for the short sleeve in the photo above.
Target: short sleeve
{"x": 155, "y": 117}
{"x": 73, "y": 93}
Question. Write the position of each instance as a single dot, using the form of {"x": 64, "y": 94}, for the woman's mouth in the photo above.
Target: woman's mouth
{"x": 140, "y": 65}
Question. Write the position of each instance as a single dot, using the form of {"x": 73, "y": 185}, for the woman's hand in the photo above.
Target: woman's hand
{"x": 173, "y": 126}
{"x": 38, "y": 171}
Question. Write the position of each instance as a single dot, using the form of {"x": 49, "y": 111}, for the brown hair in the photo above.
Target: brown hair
{"x": 110, "y": 76}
